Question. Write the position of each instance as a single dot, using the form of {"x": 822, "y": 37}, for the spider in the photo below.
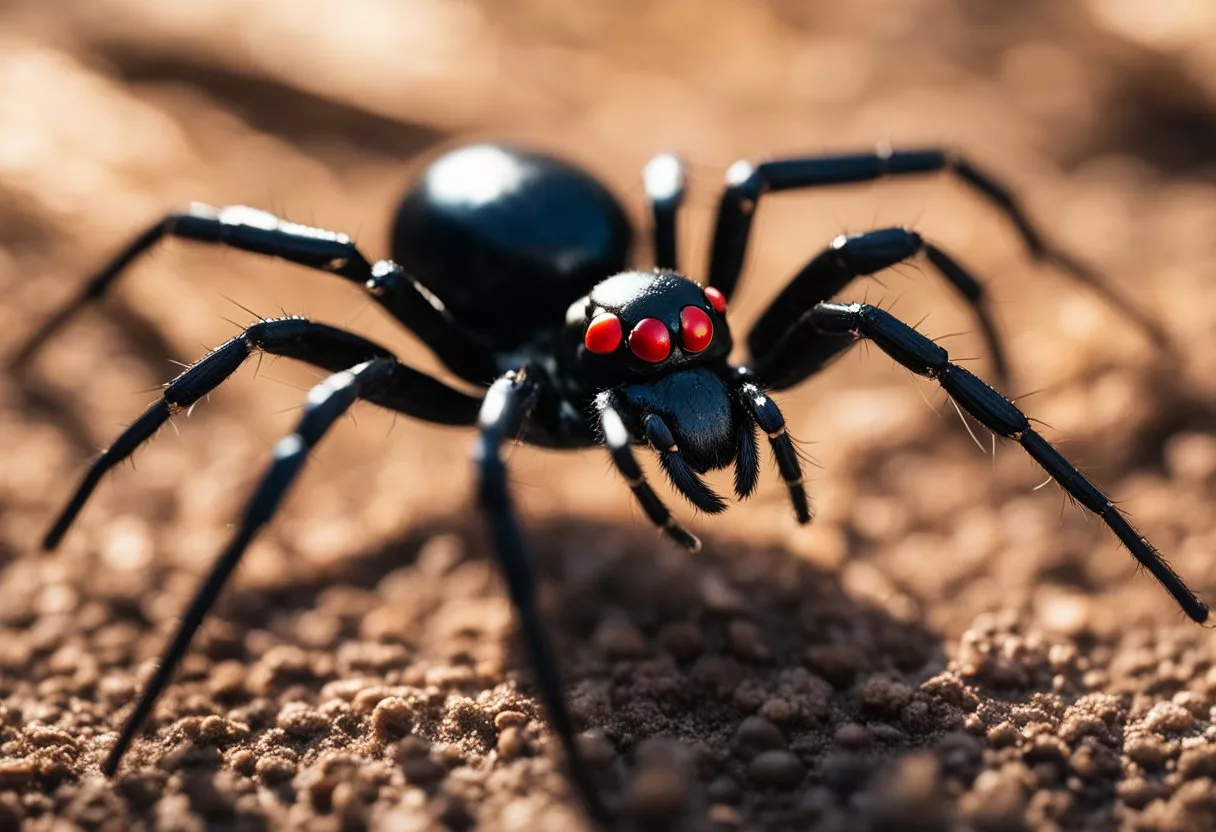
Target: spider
{"x": 512, "y": 266}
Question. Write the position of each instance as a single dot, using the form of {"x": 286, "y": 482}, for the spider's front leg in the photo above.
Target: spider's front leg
{"x": 507, "y": 404}
{"x": 856, "y": 255}
{"x": 760, "y": 407}
{"x": 829, "y": 328}
{"x": 411, "y": 392}
{"x": 618, "y": 440}
{"x": 380, "y": 379}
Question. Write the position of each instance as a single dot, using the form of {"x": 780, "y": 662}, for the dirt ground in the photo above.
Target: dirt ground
{"x": 946, "y": 647}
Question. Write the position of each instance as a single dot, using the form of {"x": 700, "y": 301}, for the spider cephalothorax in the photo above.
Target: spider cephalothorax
{"x": 652, "y": 347}
{"x": 510, "y": 266}
{"x": 641, "y": 325}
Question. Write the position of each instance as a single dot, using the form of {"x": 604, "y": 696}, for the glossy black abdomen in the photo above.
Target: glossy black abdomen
{"x": 508, "y": 239}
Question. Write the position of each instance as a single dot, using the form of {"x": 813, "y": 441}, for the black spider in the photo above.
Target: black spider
{"x": 512, "y": 267}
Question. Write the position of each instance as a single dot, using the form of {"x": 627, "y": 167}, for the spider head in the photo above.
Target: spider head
{"x": 636, "y": 326}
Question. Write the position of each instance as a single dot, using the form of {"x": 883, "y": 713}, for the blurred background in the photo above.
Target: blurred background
{"x": 1100, "y": 115}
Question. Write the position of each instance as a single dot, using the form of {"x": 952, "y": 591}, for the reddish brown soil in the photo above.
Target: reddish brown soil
{"x": 945, "y": 648}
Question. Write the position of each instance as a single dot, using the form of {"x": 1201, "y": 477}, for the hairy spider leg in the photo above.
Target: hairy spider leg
{"x": 852, "y": 256}
{"x": 764, "y": 411}
{"x": 747, "y": 453}
{"x": 746, "y": 183}
{"x": 663, "y": 179}
{"x": 922, "y": 356}
{"x": 617, "y": 440}
{"x": 679, "y": 472}
{"x": 411, "y": 392}
{"x": 326, "y": 403}
{"x": 260, "y": 232}
{"x": 507, "y": 405}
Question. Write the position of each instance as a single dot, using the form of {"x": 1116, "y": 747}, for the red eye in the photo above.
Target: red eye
{"x": 603, "y": 334}
{"x": 696, "y": 330}
{"x": 650, "y": 340}
{"x": 716, "y": 299}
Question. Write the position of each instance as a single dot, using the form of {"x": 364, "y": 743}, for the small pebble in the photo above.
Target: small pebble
{"x": 909, "y": 798}
{"x": 11, "y": 812}
{"x": 1138, "y": 792}
{"x": 15, "y": 774}
{"x": 412, "y": 748}
{"x": 366, "y": 700}
{"x": 681, "y": 639}
{"x": 779, "y": 769}
{"x": 1003, "y": 735}
{"x": 1147, "y": 750}
{"x": 756, "y": 734}
{"x": 838, "y": 663}
{"x": 1199, "y": 761}
{"x": 423, "y": 771}
{"x": 720, "y": 597}
{"x": 657, "y": 798}
{"x": 1168, "y": 718}
{"x": 596, "y": 748}
{"x": 274, "y": 769}
{"x": 454, "y": 813}
{"x": 996, "y": 802}
{"x": 618, "y": 638}
{"x": 227, "y": 680}
{"x": 745, "y": 641}
{"x": 392, "y": 719}
{"x": 724, "y": 816}
{"x": 301, "y": 721}
{"x": 506, "y": 719}
{"x": 853, "y": 736}
{"x": 243, "y": 760}
{"x": 511, "y": 743}
{"x": 885, "y": 696}
{"x": 723, "y": 789}
{"x": 779, "y": 710}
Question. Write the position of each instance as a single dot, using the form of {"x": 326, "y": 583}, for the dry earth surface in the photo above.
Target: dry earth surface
{"x": 947, "y": 647}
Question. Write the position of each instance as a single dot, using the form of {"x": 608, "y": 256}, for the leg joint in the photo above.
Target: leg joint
{"x": 276, "y": 330}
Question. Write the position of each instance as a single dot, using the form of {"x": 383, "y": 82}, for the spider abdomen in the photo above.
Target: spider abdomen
{"x": 508, "y": 239}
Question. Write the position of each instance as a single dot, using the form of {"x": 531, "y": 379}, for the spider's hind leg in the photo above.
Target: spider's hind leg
{"x": 236, "y": 226}
{"x": 260, "y": 232}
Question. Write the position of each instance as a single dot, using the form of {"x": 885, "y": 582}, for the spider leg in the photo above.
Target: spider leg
{"x": 681, "y": 474}
{"x": 411, "y": 392}
{"x": 260, "y": 232}
{"x": 617, "y": 440}
{"x": 747, "y": 454}
{"x": 768, "y": 416}
{"x": 327, "y": 402}
{"x": 746, "y": 183}
{"x": 922, "y": 356}
{"x": 852, "y": 256}
{"x": 506, "y": 407}
{"x": 664, "y": 182}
